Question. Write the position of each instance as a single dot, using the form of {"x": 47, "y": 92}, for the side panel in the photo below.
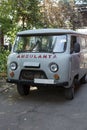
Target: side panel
{"x": 74, "y": 59}
{"x": 78, "y": 60}
{"x": 83, "y": 56}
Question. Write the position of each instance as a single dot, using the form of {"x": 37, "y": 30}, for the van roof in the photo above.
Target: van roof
{"x": 46, "y": 31}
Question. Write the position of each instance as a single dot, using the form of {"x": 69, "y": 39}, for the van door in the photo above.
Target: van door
{"x": 75, "y": 59}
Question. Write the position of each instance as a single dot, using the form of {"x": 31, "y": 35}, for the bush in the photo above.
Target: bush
{"x": 3, "y": 61}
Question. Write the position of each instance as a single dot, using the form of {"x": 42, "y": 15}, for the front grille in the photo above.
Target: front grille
{"x": 31, "y": 74}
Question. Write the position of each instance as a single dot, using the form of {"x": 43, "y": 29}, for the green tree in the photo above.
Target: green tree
{"x": 3, "y": 61}
{"x": 5, "y": 17}
{"x": 19, "y": 15}
{"x": 26, "y": 13}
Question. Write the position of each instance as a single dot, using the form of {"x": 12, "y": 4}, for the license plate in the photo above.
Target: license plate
{"x": 44, "y": 81}
{"x": 31, "y": 64}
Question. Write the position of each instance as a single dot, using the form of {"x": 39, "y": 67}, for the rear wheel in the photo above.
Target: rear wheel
{"x": 69, "y": 92}
{"x": 23, "y": 89}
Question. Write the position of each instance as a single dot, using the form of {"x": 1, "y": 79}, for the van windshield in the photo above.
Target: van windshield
{"x": 54, "y": 43}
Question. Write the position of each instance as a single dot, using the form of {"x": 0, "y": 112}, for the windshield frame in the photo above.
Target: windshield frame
{"x": 42, "y": 35}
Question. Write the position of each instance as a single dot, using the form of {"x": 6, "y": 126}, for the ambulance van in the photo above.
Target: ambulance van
{"x": 48, "y": 57}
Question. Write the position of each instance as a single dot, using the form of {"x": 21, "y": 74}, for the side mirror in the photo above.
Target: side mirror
{"x": 76, "y": 47}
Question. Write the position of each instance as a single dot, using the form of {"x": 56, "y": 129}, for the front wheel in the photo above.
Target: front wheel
{"x": 69, "y": 92}
{"x": 23, "y": 89}
{"x": 83, "y": 80}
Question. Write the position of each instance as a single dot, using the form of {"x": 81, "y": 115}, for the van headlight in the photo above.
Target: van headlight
{"x": 53, "y": 67}
{"x": 13, "y": 66}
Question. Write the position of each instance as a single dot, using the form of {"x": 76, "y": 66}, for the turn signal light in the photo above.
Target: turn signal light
{"x": 56, "y": 76}
{"x": 12, "y": 74}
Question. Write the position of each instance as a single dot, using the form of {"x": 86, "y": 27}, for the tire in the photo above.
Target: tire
{"x": 69, "y": 92}
{"x": 23, "y": 89}
{"x": 83, "y": 80}
{"x": 76, "y": 83}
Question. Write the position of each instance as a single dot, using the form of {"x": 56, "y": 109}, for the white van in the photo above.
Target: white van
{"x": 48, "y": 57}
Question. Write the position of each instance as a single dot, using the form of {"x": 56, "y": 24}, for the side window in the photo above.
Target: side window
{"x": 73, "y": 41}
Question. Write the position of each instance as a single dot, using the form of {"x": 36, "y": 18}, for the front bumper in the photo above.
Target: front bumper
{"x": 37, "y": 82}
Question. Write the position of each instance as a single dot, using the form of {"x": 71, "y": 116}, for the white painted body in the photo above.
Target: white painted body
{"x": 70, "y": 65}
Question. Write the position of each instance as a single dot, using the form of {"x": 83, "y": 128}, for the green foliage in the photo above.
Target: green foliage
{"x": 27, "y": 14}
{"x": 5, "y": 17}
{"x": 12, "y": 33}
{"x": 19, "y": 15}
{"x": 3, "y": 60}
